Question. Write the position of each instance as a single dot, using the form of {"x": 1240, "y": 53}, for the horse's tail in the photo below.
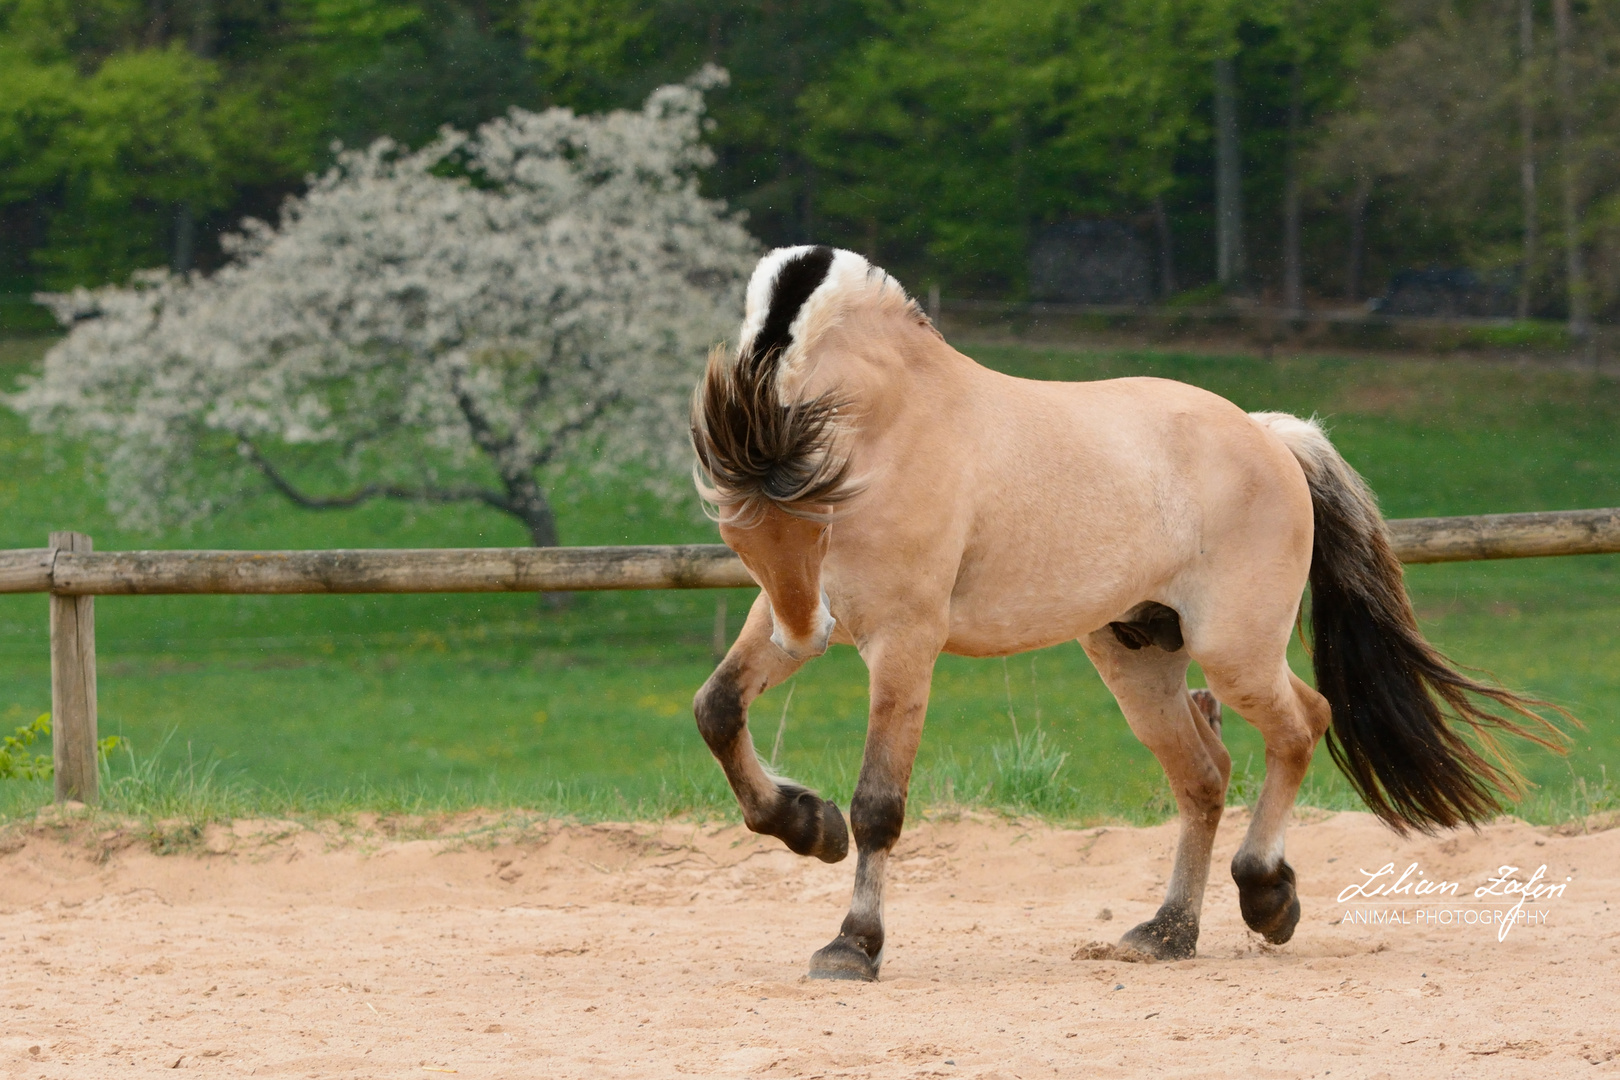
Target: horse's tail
{"x": 1390, "y": 690}
{"x": 753, "y": 448}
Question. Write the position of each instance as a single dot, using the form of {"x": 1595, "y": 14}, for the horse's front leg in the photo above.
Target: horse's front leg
{"x": 900, "y": 675}
{"x": 808, "y": 824}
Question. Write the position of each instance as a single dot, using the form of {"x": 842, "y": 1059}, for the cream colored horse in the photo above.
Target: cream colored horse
{"x": 889, "y": 493}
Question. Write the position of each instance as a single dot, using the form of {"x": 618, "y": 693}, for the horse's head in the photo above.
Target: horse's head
{"x": 773, "y": 422}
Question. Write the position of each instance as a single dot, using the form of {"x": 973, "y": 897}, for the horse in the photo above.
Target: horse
{"x": 887, "y": 492}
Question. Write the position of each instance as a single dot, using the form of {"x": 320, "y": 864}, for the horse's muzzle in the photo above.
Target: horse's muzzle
{"x": 805, "y": 648}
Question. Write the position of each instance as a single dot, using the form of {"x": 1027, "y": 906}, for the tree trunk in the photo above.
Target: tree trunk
{"x": 1527, "y": 154}
{"x": 185, "y": 239}
{"x": 1230, "y": 268}
{"x": 529, "y": 503}
{"x": 1358, "y": 239}
{"x": 204, "y": 42}
{"x": 1574, "y": 265}
{"x": 534, "y": 510}
{"x": 807, "y": 204}
{"x": 204, "y": 28}
{"x": 1293, "y": 270}
{"x": 1167, "y": 251}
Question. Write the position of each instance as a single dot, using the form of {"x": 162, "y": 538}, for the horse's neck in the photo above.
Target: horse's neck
{"x": 878, "y": 359}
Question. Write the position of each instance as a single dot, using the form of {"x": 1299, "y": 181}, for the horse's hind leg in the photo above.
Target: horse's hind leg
{"x": 1150, "y": 683}
{"x": 808, "y": 824}
{"x": 900, "y": 674}
{"x": 1291, "y": 717}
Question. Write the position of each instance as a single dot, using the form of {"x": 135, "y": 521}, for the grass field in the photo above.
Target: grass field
{"x": 312, "y": 704}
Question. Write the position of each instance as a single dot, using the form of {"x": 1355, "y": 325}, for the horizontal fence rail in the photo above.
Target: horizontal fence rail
{"x": 406, "y": 570}
{"x": 1506, "y": 536}
{"x": 686, "y": 566}
{"x": 74, "y": 574}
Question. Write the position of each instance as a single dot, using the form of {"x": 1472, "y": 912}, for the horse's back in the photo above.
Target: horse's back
{"x": 1089, "y": 497}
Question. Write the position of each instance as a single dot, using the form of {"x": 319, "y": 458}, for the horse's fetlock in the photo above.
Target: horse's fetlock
{"x": 863, "y": 931}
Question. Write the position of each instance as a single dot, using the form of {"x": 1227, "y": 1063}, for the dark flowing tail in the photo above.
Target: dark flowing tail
{"x": 1392, "y": 693}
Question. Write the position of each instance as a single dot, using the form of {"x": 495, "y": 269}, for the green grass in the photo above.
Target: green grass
{"x": 321, "y": 705}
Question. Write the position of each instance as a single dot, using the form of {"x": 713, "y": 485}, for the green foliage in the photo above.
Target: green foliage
{"x": 949, "y": 136}
{"x": 19, "y": 762}
{"x": 586, "y": 50}
{"x": 960, "y": 126}
{"x": 592, "y": 54}
{"x": 936, "y": 135}
{"x": 1522, "y": 333}
{"x": 17, "y": 759}
{"x": 425, "y": 66}
{"x": 1026, "y": 773}
{"x": 127, "y": 139}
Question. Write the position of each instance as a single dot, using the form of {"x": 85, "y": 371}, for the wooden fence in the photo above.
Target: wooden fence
{"x": 74, "y": 574}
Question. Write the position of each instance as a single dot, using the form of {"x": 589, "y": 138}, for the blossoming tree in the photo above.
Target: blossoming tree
{"x": 452, "y": 324}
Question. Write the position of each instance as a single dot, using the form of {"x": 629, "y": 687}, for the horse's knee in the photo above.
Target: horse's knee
{"x": 877, "y": 813}
{"x": 719, "y": 710}
{"x": 1206, "y": 787}
{"x": 1292, "y": 748}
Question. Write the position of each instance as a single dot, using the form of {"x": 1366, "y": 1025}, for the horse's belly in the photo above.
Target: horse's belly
{"x": 1019, "y": 620}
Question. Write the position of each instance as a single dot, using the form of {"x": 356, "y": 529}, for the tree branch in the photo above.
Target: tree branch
{"x": 483, "y": 432}
{"x": 554, "y": 447}
{"x": 365, "y": 494}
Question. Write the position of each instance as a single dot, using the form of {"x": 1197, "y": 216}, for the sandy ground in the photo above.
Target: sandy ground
{"x": 663, "y": 950}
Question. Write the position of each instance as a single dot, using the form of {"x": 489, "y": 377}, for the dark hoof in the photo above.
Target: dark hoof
{"x": 1172, "y": 934}
{"x": 843, "y": 959}
{"x": 809, "y": 825}
{"x": 1208, "y": 708}
{"x": 1268, "y": 898}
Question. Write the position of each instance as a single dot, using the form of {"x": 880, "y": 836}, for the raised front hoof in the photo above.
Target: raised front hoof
{"x": 1169, "y": 935}
{"x": 1210, "y": 709}
{"x": 844, "y": 959}
{"x": 1267, "y": 897}
{"x": 809, "y": 825}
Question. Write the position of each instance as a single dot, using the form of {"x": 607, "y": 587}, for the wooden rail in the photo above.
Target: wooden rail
{"x": 421, "y": 570}
{"x": 1506, "y": 536}
{"x": 81, "y": 572}
{"x": 74, "y": 575}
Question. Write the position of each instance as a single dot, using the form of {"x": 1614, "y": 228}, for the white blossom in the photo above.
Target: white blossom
{"x": 455, "y": 323}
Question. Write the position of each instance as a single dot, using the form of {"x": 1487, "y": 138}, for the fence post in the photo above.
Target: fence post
{"x": 73, "y": 684}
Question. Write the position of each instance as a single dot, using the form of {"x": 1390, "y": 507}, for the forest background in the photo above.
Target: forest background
{"x": 1292, "y": 152}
